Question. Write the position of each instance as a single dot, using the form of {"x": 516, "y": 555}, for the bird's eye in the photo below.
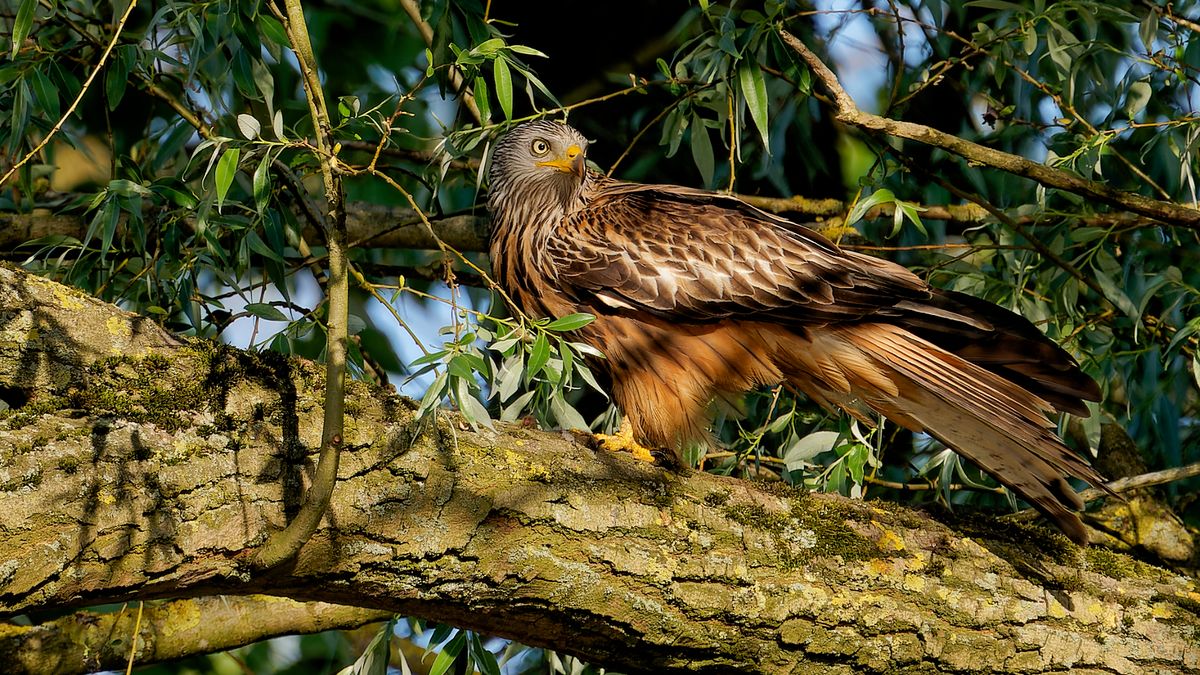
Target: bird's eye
{"x": 540, "y": 147}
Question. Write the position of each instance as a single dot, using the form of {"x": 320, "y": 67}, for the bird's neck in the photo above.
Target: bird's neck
{"x": 527, "y": 213}
{"x": 521, "y": 225}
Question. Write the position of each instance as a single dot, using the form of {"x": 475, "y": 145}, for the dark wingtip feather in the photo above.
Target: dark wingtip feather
{"x": 1007, "y": 344}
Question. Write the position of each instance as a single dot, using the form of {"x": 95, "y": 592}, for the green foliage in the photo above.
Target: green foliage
{"x": 202, "y": 210}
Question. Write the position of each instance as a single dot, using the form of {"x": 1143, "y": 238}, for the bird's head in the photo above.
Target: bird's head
{"x": 541, "y": 163}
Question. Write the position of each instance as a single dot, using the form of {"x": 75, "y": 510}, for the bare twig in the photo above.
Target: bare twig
{"x": 1121, "y": 485}
{"x": 1144, "y": 480}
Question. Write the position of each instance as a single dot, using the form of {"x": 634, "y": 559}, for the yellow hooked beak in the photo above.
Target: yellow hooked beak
{"x": 570, "y": 161}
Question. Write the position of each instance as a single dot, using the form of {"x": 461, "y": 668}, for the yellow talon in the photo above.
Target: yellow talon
{"x": 623, "y": 441}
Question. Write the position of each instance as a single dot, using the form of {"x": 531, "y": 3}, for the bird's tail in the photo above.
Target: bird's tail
{"x": 973, "y": 408}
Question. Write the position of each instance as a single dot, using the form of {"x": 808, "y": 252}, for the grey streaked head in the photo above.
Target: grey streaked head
{"x": 539, "y": 165}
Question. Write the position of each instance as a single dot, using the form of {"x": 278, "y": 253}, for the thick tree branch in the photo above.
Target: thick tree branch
{"x": 847, "y": 112}
{"x": 139, "y": 467}
{"x": 85, "y": 642}
{"x": 366, "y": 225}
{"x": 397, "y": 227}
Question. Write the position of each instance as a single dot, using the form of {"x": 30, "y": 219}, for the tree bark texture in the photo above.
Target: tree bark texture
{"x": 135, "y": 465}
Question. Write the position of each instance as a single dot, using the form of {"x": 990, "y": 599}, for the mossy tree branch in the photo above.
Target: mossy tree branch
{"x": 86, "y": 641}
{"x": 136, "y": 466}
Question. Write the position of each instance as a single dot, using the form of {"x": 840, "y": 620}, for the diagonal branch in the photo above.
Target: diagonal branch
{"x": 847, "y": 112}
{"x": 74, "y": 104}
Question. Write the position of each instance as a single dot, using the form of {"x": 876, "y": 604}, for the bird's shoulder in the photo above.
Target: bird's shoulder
{"x": 707, "y": 255}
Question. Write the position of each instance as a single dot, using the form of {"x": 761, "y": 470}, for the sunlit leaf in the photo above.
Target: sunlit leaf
{"x": 880, "y": 196}
{"x": 570, "y": 322}
{"x": 538, "y": 355}
{"x": 798, "y": 454}
{"x": 567, "y": 416}
{"x": 510, "y": 379}
{"x": 226, "y": 170}
{"x": 754, "y": 91}
{"x": 504, "y": 93}
{"x": 249, "y": 126}
{"x": 469, "y": 406}
{"x": 528, "y": 51}
{"x": 489, "y": 48}
{"x": 448, "y": 654}
{"x": 512, "y": 411}
{"x": 433, "y": 395}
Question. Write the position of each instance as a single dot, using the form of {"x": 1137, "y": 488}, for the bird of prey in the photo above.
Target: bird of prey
{"x": 699, "y": 296}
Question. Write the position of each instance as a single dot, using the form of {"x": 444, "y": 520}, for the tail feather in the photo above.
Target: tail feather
{"x": 1003, "y": 342}
{"x": 997, "y": 423}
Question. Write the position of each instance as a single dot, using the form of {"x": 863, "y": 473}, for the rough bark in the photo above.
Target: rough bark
{"x": 140, "y": 466}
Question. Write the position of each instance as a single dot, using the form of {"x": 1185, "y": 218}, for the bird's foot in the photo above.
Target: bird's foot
{"x": 623, "y": 441}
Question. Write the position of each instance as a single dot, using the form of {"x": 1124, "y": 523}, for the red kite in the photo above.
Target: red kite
{"x": 700, "y": 296}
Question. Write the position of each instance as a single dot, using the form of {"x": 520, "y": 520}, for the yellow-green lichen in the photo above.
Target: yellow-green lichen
{"x": 1116, "y": 565}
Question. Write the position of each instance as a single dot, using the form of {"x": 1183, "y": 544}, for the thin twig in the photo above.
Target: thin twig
{"x": 1070, "y": 110}
{"x": 1144, "y": 480}
{"x": 373, "y": 289}
{"x": 413, "y": 9}
{"x": 74, "y": 104}
{"x": 137, "y": 628}
{"x": 1122, "y": 485}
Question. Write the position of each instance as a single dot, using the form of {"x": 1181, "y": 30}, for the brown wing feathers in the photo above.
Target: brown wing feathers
{"x": 971, "y": 374}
